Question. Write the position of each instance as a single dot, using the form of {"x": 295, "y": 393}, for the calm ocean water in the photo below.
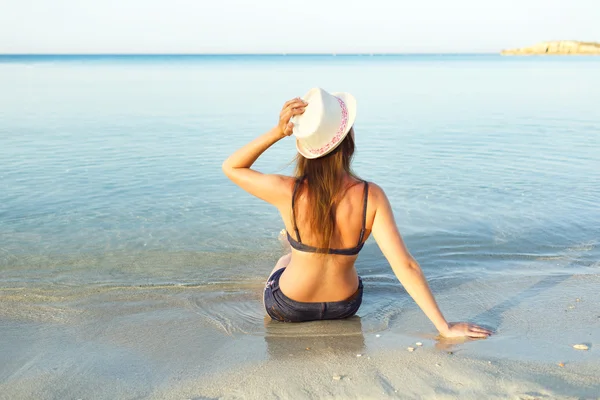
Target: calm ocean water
{"x": 110, "y": 166}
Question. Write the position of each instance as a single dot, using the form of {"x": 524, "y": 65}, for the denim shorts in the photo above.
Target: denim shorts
{"x": 282, "y": 308}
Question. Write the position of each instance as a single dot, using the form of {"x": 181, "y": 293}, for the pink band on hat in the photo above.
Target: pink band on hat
{"x": 339, "y": 132}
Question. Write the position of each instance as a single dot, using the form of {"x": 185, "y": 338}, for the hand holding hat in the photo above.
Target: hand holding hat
{"x": 290, "y": 109}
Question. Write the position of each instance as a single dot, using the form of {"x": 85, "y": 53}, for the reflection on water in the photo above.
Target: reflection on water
{"x": 340, "y": 337}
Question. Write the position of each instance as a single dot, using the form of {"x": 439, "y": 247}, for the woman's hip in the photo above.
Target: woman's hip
{"x": 282, "y": 308}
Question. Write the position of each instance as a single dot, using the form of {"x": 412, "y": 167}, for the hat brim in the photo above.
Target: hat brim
{"x": 350, "y": 102}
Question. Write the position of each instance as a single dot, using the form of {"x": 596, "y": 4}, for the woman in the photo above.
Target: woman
{"x": 328, "y": 213}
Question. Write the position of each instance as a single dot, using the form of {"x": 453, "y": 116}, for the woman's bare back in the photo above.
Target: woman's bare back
{"x": 314, "y": 277}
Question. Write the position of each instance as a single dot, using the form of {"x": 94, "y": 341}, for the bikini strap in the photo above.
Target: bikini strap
{"x": 298, "y": 181}
{"x": 364, "y": 220}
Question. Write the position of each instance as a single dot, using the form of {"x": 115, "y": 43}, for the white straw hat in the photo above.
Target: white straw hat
{"x": 325, "y": 122}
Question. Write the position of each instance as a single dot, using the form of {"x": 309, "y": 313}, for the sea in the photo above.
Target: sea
{"x": 118, "y": 227}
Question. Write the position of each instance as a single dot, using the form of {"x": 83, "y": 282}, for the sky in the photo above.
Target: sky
{"x": 299, "y": 26}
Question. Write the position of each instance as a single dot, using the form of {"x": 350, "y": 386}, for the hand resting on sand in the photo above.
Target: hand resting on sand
{"x": 462, "y": 329}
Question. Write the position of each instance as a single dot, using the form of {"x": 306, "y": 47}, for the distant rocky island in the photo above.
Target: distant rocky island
{"x": 562, "y": 47}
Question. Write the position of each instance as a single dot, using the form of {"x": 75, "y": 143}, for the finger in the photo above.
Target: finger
{"x": 299, "y": 100}
{"x": 294, "y": 103}
{"x": 298, "y": 103}
{"x": 287, "y": 103}
{"x": 289, "y": 129}
{"x": 290, "y": 111}
{"x": 297, "y": 111}
{"x": 295, "y": 107}
{"x": 285, "y": 117}
{"x": 473, "y": 331}
{"x": 289, "y": 114}
{"x": 286, "y": 111}
{"x": 476, "y": 328}
{"x": 477, "y": 334}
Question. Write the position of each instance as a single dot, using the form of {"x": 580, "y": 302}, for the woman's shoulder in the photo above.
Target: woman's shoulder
{"x": 374, "y": 189}
{"x": 376, "y": 195}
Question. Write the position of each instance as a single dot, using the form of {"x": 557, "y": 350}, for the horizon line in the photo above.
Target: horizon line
{"x": 255, "y": 54}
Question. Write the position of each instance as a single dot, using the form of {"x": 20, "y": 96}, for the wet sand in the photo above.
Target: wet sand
{"x": 213, "y": 341}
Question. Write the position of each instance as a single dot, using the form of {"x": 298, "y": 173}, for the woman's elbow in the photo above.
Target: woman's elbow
{"x": 404, "y": 264}
{"x": 410, "y": 264}
{"x": 226, "y": 168}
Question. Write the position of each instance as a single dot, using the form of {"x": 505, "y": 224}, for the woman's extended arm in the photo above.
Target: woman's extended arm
{"x": 268, "y": 187}
{"x": 409, "y": 272}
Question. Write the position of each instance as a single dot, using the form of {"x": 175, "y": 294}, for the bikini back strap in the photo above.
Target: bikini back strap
{"x": 364, "y": 219}
{"x": 298, "y": 181}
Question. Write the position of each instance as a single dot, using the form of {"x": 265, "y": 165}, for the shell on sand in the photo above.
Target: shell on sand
{"x": 580, "y": 346}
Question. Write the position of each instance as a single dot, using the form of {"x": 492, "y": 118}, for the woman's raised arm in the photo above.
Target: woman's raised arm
{"x": 271, "y": 188}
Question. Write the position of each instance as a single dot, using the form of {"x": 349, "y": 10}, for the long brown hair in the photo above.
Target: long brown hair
{"x": 324, "y": 180}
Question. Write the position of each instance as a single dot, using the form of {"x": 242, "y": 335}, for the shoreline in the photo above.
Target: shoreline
{"x": 214, "y": 341}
